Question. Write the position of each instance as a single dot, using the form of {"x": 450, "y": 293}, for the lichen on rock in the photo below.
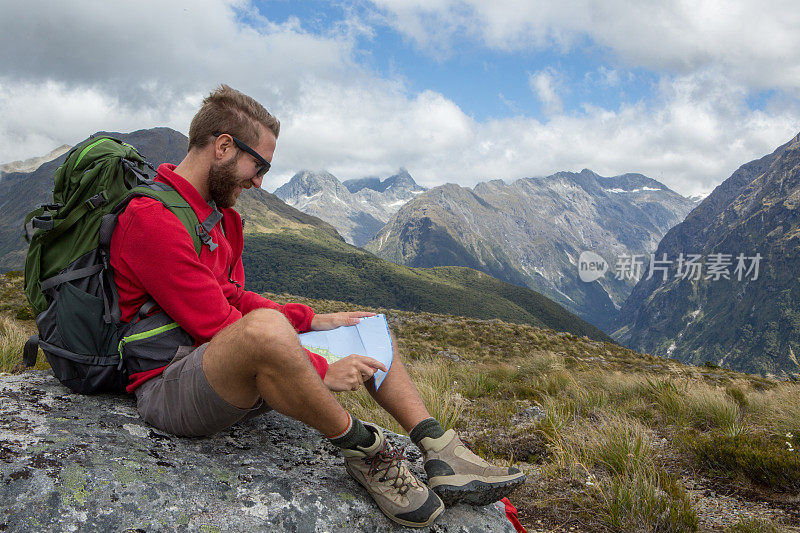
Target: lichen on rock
{"x": 88, "y": 463}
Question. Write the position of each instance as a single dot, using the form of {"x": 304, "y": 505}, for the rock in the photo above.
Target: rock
{"x": 533, "y": 413}
{"x": 449, "y": 355}
{"x": 88, "y": 463}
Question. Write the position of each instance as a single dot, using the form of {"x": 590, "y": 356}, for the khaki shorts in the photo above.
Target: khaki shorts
{"x": 181, "y": 402}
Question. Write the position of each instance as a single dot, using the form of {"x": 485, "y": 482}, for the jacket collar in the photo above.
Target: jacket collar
{"x": 202, "y": 208}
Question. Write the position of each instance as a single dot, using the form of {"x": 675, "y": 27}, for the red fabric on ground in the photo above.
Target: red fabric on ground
{"x": 511, "y": 514}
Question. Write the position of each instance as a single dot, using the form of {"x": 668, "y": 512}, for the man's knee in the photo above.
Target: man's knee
{"x": 271, "y": 335}
{"x": 266, "y": 326}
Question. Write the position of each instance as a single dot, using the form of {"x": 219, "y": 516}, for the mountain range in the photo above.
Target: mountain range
{"x": 745, "y": 319}
{"x": 29, "y": 165}
{"x": 287, "y": 250}
{"x": 357, "y": 208}
{"x": 531, "y": 232}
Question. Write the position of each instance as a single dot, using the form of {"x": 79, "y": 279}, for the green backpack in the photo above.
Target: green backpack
{"x": 68, "y": 279}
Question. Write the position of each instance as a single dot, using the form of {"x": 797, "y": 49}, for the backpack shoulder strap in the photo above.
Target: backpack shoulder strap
{"x": 199, "y": 231}
{"x": 177, "y": 205}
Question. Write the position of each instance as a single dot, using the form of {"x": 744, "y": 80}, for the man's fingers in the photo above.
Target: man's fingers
{"x": 354, "y": 315}
{"x": 365, "y": 371}
{"x": 374, "y": 363}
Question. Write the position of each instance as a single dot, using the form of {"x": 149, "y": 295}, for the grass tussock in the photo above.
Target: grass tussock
{"x": 777, "y": 410}
{"x": 647, "y": 500}
{"x": 752, "y": 525}
{"x": 613, "y": 457}
{"x": 12, "y": 340}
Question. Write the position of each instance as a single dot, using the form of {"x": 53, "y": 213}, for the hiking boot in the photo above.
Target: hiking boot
{"x": 458, "y": 475}
{"x": 382, "y": 470}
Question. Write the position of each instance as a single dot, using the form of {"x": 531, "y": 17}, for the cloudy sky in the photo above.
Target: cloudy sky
{"x": 454, "y": 90}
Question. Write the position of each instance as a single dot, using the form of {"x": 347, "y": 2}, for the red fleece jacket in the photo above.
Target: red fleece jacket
{"x": 153, "y": 254}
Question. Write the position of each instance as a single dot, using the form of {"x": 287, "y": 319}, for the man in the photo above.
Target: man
{"x": 247, "y": 357}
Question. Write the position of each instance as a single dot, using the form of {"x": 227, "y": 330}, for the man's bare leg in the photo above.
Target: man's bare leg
{"x": 455, "y": 477}
{"x": 398, "y": 395}
{"x": 260, "y": 356}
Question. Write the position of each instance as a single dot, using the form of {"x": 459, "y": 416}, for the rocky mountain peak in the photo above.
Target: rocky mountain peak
{"x": 632, "y": 183}
{"x": 29, "y": 165}
{"x": 308, "y": 183}
{"x": 401, "y": 180}
{"x": 357, "y": 208}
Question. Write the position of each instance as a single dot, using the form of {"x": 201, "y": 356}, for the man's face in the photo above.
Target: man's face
{"x": 224, "y": 184}
{"x": 226, "y": 179}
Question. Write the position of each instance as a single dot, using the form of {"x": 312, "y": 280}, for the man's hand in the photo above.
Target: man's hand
{"x": 350, "y": 372}
{"x": 334, "y": 320}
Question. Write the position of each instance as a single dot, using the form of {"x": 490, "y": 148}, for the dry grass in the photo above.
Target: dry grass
{"x": 12, "y": 340}
{"x": 612, "y": 417}
{"x": 776, "y": 410}
{"x": 435, "y": 385}
{"x": 623, "y": 489}
{"x": 752, "y": 525}
{"x": 13, "y": 336}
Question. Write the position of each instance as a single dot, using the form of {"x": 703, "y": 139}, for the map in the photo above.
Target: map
{"x": 369, "y": 337}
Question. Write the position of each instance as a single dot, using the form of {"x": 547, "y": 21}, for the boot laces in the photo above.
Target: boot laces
{"x": 388, "y": 464}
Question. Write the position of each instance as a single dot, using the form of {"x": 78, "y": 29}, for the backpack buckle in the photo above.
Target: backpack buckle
{"x": 43, "y": 221}
{"x": 97, "y": 200}
{"x": 205, "y": 236}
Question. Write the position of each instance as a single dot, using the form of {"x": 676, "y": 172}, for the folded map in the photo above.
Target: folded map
{"x": 369, "y": 337}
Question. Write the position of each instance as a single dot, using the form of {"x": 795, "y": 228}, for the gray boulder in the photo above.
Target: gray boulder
{"x": 88, "y": 463}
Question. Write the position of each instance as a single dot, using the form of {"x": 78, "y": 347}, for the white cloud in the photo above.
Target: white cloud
{"x": 695, "y": 131}
{"x": 608, "y": 76}
{"x": 37, "y": 117}
{"x": 756, "y": 43}
{"x": 544, "y": 84}
{"x": 69, "y": 69}
{"x": 695, "y": 134}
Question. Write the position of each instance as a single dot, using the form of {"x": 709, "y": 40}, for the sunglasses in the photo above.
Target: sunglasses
{"x": 263, "y": 164}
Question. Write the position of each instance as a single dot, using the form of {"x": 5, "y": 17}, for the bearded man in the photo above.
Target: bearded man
{"x": 241, "y": 355}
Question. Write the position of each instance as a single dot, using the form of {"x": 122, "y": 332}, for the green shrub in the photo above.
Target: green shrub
{"x": 760, "y": 458}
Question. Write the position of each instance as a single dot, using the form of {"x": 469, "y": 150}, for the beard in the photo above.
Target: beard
{"x": 223, "y": 183}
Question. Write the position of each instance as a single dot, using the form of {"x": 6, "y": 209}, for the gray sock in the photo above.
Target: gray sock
{"x": 429, "y": 427}
{"x": 356, "y": 434}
